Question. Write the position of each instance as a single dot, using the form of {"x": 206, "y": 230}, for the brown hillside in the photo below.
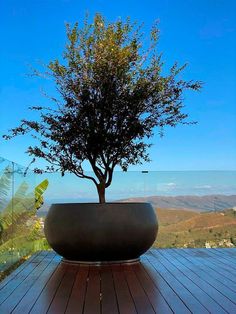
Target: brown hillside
{"x": 173, "y": 216}
{"x": 202, "y": 221}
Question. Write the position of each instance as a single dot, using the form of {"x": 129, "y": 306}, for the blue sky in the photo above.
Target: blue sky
{"x": 201, "y": 33}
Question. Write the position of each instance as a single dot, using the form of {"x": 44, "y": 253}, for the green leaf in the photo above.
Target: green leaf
{"x": 38, "y": 191}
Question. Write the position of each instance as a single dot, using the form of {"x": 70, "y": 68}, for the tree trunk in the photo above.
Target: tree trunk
{"x": 101, "y": 193}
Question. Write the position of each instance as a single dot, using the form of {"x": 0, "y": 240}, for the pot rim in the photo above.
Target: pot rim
{"x": 103, "y": 204}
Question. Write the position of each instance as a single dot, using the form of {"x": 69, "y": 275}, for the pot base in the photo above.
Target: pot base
{"x": 100, "y": 263}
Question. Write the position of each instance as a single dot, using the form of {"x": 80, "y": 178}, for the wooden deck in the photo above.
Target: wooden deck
{"x": 166, "y": 281}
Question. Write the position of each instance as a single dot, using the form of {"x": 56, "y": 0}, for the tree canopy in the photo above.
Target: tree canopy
{"x": 113, "y": 96}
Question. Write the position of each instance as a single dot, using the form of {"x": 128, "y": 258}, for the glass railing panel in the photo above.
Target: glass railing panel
{"x": 195, "y": 208}
{"x": 21, "y": 230}
{"x": 28, "y": 229}
{"x": 69, "y": 188}
{"x": 6, "y": 214}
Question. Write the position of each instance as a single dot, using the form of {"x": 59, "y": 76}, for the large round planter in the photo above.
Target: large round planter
{"x": 90, "y": 232}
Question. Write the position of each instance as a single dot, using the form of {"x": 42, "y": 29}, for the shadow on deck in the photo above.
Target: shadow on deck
{"x": 166, "y": 281}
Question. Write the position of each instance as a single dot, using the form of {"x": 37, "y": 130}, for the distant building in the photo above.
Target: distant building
{"x": 41, "y": 221}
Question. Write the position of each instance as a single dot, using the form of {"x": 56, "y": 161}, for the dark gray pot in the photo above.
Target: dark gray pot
{"x": 101, "y": 232}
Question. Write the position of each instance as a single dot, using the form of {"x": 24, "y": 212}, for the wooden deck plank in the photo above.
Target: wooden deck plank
{"x": 15, "y": 297}
{"x": 216, "y": 256}
{"x": 8, "y": 289}
{"x": 197, "y": 293}
{"x": 221, "y": 257}
{"x": 227, "y": 251}
{"x": 230, "y": 252}
{"x": 204, "y": 281}
{"x": 180, "y": 288}
{"x": 108, "y": 294}
{"x": 139, "y": 296}
{"x": 60, "y": 300}
{"x": 124, "y": 298}
{"x": 223, "y": 279}
{"x": 166, "y": 281}
{"x": 33, "y": 293}
{"x": 19, "y": 269}
{"x": 92, "y": 297}
{"x": 157, "y": 300}
{"x": 16, "y": 272}
{"x": 222, "y": 275}
{"x": 76, "y": 300}
{"x": 218, "y": 262}
{"x": 175, "y": 303}
{"x": 212, "y": 258}
{"x": 45, "y": 298}
{"x": 203, "y": 294}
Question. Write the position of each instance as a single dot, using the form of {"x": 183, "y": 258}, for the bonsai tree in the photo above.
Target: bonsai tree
{"x": 113, "y": 96}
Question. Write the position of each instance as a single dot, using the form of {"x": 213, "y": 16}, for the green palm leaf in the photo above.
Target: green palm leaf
{"x": 38, "y": 191}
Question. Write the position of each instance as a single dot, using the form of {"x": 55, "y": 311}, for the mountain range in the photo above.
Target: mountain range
{"x": 189, "y": 202}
